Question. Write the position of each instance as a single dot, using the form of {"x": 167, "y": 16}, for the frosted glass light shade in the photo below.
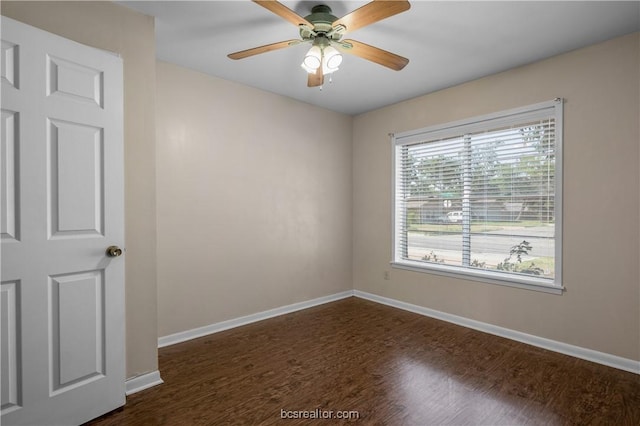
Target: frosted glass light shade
{"x": 332, "y": 58}
{"x": 313, "y": 59}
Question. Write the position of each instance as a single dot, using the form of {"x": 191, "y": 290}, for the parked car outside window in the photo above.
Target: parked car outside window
{"x": 453, "y": 217}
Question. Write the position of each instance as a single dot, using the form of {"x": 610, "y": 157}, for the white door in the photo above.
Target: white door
{"x": 62, "y": 304}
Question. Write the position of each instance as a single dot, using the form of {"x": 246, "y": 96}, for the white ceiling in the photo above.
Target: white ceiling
{"x": 447, "y": 43}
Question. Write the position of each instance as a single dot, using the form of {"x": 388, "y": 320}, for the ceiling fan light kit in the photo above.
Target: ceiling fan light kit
{"x": 325, "y": 31}
{"x": 323, "y": 55}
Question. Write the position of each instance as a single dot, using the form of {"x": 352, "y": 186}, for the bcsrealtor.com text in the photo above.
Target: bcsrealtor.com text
{"x": 320, "y": 414}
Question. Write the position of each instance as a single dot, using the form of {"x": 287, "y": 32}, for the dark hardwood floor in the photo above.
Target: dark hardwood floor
{"x": 390, "y": 366}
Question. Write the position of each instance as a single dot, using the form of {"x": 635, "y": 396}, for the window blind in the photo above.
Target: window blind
{"x": 482, "y": 196}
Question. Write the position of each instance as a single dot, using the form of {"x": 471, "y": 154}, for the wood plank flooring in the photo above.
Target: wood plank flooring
{"x": 390, "y": 366}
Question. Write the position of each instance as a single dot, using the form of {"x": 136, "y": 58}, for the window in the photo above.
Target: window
{"x": 481, "y": 198}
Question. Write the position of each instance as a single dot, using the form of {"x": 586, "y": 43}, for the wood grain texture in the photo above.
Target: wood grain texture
{"x": 263, "y": 49}
{"x": 372, "y": 12}
{"x": 392, "y": 366}
{"x": 375, "y": 54}
{"x": 315, "y": 79}
{"x": 284, "y": 12}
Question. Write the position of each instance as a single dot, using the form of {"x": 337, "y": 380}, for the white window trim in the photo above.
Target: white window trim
{"x": 456, "y": 128}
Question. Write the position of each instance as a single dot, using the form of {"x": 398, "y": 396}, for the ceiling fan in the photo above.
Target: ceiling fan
{"x": 325, "y": 31}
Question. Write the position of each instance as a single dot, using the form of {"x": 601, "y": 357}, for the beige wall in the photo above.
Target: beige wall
{"x": 254, "y": 200}
{"x": 118, "y": 29}
{"x": 600, "y": 309}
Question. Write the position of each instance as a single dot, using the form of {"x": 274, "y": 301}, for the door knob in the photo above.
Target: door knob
{"x": 114, "y": 251}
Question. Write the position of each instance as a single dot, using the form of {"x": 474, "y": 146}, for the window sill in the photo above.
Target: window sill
{"x": 481, "y": 276}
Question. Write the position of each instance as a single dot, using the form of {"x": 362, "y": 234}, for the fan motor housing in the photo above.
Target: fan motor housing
{"x": 321, "y": 17}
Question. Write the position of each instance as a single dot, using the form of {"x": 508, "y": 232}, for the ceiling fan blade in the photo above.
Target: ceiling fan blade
{"x": 284, "y": 12}
{"x": 315, "y": 79}
{"x": 263, "y": 49}
{"x": 373, "y": 54}
{"x": 374, "y": 11}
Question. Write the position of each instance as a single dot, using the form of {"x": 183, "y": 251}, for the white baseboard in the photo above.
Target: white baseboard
{"x": 183, "y": 336}
{"x": 552, "y": 345}
{"x": 142, "y": 382}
